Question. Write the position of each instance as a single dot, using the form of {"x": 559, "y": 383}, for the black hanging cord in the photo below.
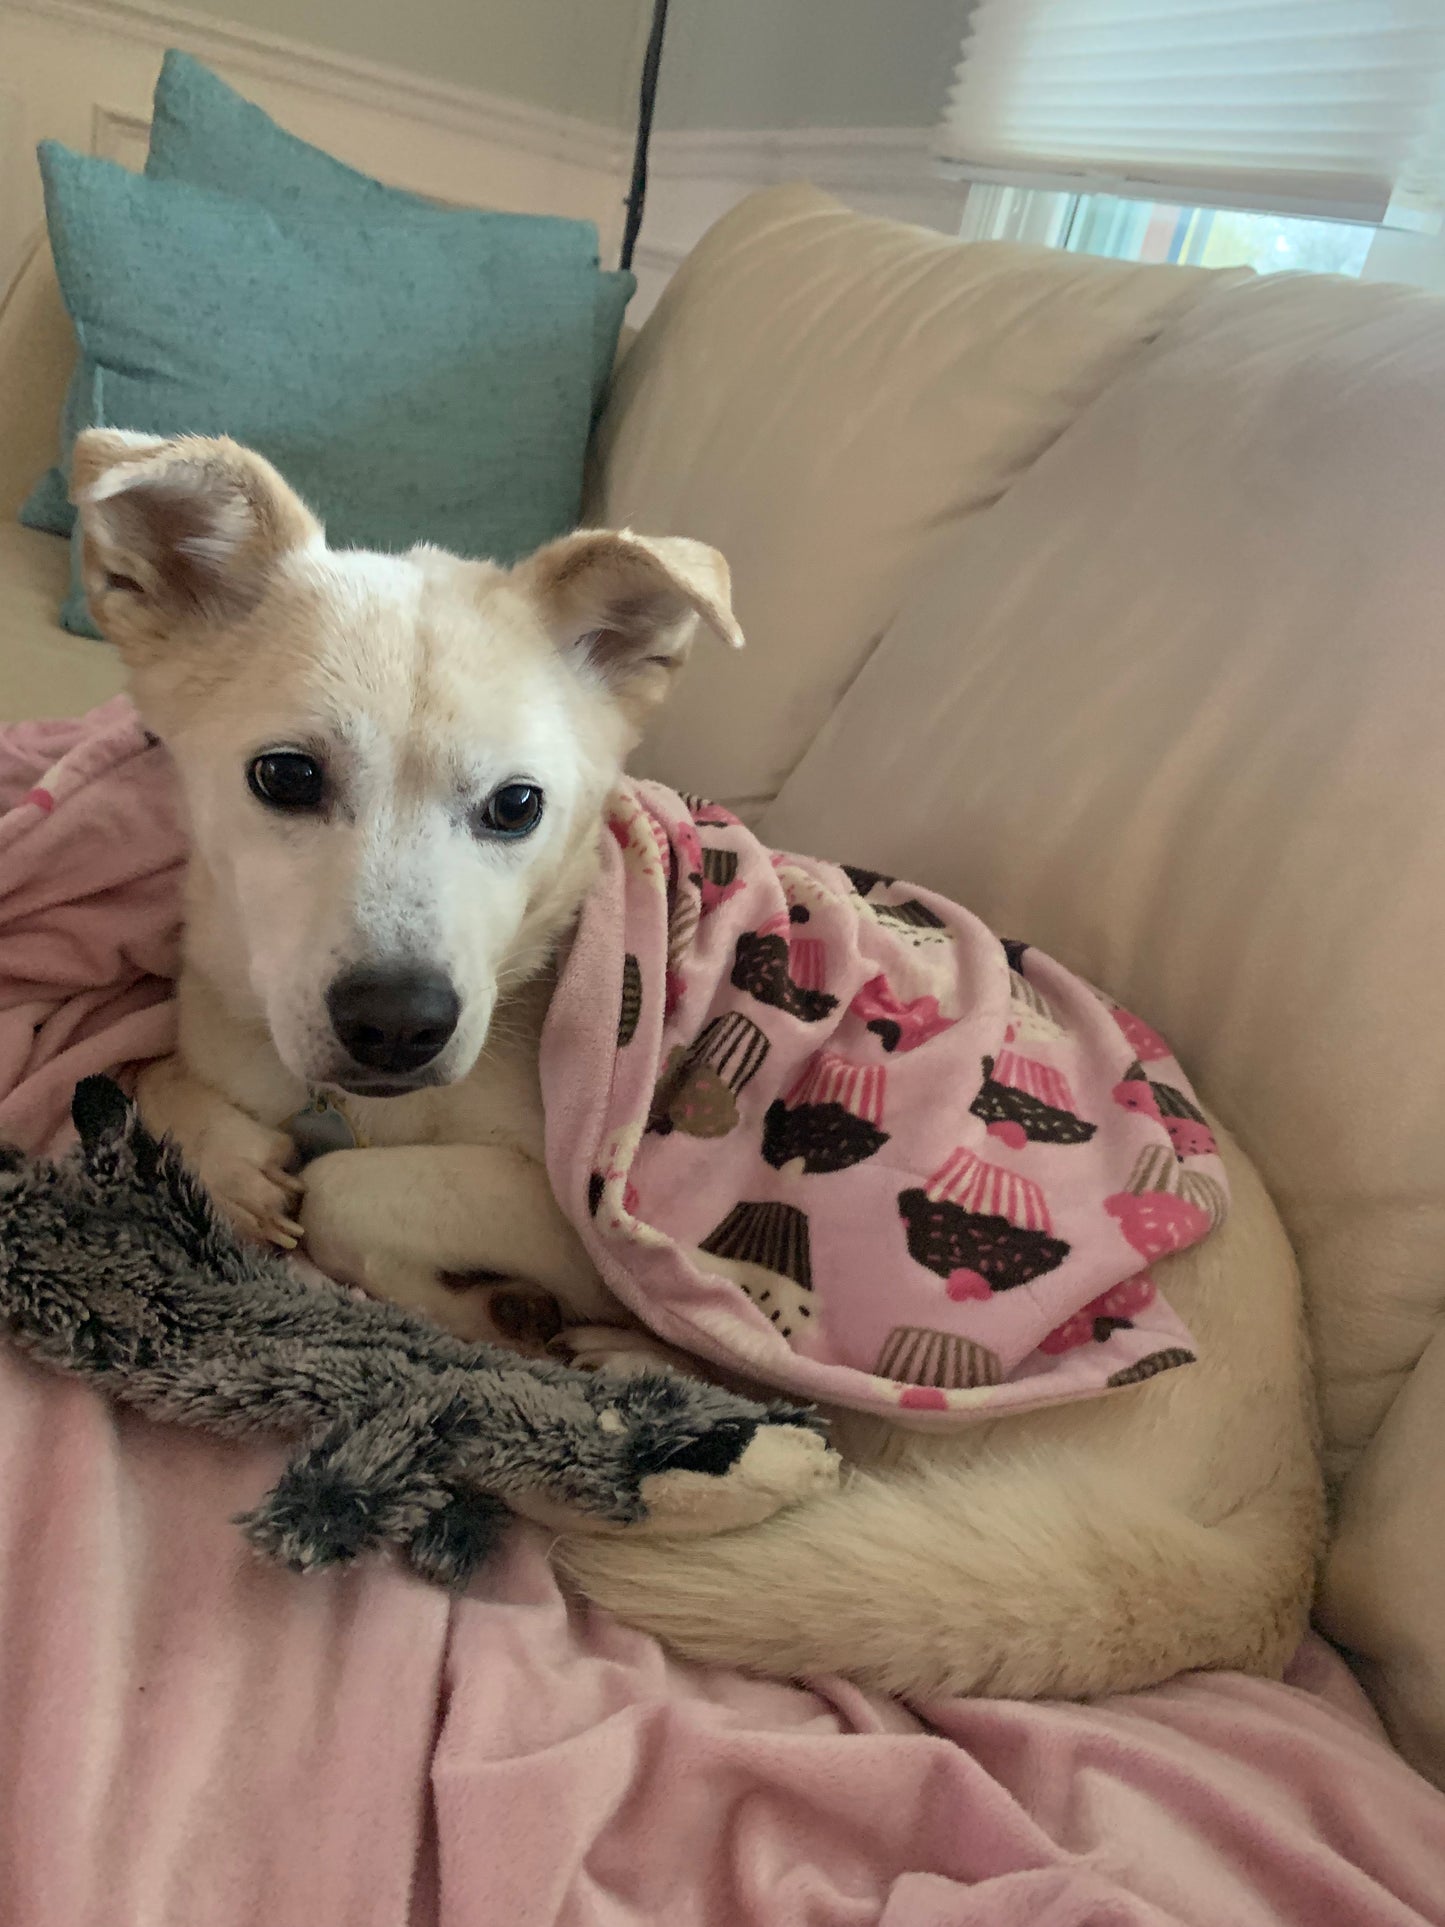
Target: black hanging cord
{"x": 646, "y": 100}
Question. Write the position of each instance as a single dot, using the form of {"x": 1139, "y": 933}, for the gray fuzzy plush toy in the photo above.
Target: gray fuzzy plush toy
{"x": 115, "y": 1266}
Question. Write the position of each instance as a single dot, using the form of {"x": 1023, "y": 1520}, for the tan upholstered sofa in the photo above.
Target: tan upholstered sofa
{"x": 1111, "y": 600}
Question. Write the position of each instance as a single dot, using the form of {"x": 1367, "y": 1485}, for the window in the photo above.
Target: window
{"x": 1268, "y": 133}
{"x": 1204, "y": 237}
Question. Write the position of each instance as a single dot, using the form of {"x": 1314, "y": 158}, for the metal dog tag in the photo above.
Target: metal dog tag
{"x": 320, "y": 1127}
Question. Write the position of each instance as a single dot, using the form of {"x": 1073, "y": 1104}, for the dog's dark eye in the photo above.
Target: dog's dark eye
{"x": 287, "y": 779}
{"x": 513, "y": 810}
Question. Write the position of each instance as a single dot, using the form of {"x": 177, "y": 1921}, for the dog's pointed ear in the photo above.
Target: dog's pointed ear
{"x": 625, "y": 609}
{"x": 175, "y": 532}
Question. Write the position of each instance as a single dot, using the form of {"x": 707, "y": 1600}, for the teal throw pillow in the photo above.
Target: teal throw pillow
{"x": 415, "y": 380}
{"x": 207, "y": 135}
{"x": 204, "y": 132}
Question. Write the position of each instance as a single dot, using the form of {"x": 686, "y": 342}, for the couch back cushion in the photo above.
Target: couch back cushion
{"x": 1174, "y": 709}
{"x": 37, "y": 354}
{"x": 827, "y": 398}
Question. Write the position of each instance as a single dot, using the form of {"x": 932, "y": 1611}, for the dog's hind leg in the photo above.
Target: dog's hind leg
{"x": 417, "y": 1224}
{"x": 1022, "y": 1578}
{"x": 1068, "y": 1552}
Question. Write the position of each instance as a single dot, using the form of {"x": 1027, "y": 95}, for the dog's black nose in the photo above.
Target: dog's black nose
{"x": 394, "y": 1019}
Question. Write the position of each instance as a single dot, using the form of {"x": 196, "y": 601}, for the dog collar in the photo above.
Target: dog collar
{"x": 321, "y": 1126}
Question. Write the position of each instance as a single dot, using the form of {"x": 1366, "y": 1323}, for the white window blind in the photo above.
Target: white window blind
{"x": 1323, "y": 107}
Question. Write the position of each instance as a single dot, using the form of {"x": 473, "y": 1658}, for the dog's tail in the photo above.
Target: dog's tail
{"x": 1020, "y": 1577}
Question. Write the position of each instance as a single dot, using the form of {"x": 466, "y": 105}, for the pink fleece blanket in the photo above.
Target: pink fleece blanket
{"x": 825, "y": 1128}
{"x": 91, "y": 859}
{"x": 191, "y": 1739}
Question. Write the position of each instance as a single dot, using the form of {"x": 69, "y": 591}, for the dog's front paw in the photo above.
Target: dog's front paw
{"x": 612, "y": 1348}
{"x": 259, "y": 1200}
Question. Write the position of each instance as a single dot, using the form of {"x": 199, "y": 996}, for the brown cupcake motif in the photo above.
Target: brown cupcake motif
{"x": 698, "y": 1090}
{"x": 1030, "y": 1019}
{"x": 718, "y": 878}
{"x": 831, "y": 1118}
{"x": 631, "y": 1010}
{"x": 865, "y": 882}
{"x": 1150, "y": 1366}
{"x": 914, "y": 1355}
{"x": 1022, "y": 1101}
{"x": 913, "y": 920}
{"x": 980, "y": 1227}
{"x": 765, "y": 1248}
{"x": 784, "y": 972}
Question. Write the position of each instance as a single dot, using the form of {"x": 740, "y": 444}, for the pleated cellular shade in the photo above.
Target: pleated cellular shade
{"x": 1330, "y": 108}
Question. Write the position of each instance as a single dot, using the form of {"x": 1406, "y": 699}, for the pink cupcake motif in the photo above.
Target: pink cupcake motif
{"x": 980, "y": 1227}
{"x": 830, "y": 1119}
{"x": 1165, "y": 1207}
{"x": 643, "y": 842}
{"x": 1097, "y": 1321}
{"x": 1146, "y": 1044}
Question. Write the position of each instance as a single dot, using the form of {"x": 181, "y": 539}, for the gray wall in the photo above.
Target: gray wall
{"x": 728, "y": 63}
{"x": 809, "y": 63}
{"x": 575, "y": 56}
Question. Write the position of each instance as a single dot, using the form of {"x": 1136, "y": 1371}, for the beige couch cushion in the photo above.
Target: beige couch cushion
{"x": 1384, "y": 1591}
{"x": 825, "y": 397}
{"x": 43, "y": 671}
{"x": 1175, "y": 709}
{"x": 37, "y": 353}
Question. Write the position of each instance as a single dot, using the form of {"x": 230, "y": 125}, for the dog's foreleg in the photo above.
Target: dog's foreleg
{"x": 241, "y": 1163}
{"x": 423, "y": 1225}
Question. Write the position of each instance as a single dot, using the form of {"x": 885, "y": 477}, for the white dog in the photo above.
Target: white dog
{"x": 395, "y": 768}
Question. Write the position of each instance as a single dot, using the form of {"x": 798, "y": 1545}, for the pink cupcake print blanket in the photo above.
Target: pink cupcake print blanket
{"x": 828, "y": 1129}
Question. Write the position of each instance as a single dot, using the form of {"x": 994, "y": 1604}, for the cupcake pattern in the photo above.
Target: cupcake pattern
{"x": 631, "y": 1010}
{"x": 1022, "y": 1101}
{"x": 842, "y": 1138}
{"x": 1186, "y": 1124}
{"x": 980, "y": 1227}
{"x": 783, "y": 972}
{"x": 766, "y": 1250}
{"x": 1166, "y": 1206}
{"x": 699, "y": 1087}
{"x": 914, "y": 1355}
{"x": 830, "y": 1119}
{"x": 1095, "y": 1323}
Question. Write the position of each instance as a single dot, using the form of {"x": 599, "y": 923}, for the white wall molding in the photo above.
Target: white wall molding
{"x": 119, "y": 137}
{"x": 346, "y": 77}
{"x": 82, "y": 71}
{"x": 875, "y": 158}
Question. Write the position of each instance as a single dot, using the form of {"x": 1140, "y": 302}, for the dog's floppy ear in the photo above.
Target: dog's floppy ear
{"x": 626, "y": 608}
{"x": 177, "y": 531}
